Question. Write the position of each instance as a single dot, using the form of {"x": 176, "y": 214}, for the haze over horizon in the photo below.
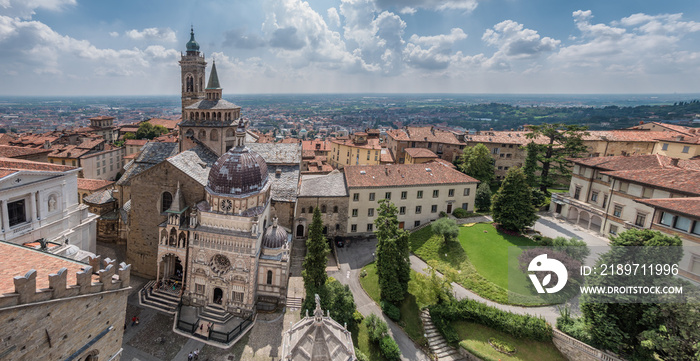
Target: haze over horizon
{"x": 78, "y": 47}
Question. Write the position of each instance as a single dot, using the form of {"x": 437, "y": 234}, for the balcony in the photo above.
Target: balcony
{"x": 565, "y": 198}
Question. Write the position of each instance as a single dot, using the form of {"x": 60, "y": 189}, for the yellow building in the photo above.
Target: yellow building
{"x": 358, "y": 150}
{"x": 678, "y": 146}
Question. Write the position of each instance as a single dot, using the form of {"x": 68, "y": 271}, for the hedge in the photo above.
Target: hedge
{"x": 391, "y": 310}
{"x": 390, "y": 349}
{"x": 520, "y": 326}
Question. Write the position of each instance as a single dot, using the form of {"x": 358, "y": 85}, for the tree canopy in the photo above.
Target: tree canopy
{"x": 445, "y": 227}
{"x": 512, "y": 205}
{"x": 482, "y": 198}
{"x": 563, "y": 141}
{"x": 149, "y": 131}
{"x": 392, "y": 255}
{"x": 476, "y": 162}
{"x": 314, "y": 272}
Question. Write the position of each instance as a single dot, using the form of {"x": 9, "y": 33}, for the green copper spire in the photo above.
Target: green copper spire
{"x": 192, "y": 45}
{"x": 213, "y": 78}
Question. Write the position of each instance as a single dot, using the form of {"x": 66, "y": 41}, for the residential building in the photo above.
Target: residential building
{"x": 419, "y": 155}
{"x": 621, "y": 142}
{"x": 104, "y": 127}
{"x": 665, "y": 127}
{"x": 41, "y": 294}
{"x": 359, "y": 149}
{"x": 329, "y": 194}
{"x": 678, "y": 146}
{"x": 40, "y": 201}
{"x": 444, "y": 143}
{"x": 419, "y": 191}
{"x": 106, "y": 164}
{"x": 134, "y": 146}
{"x": 34, "y": 154}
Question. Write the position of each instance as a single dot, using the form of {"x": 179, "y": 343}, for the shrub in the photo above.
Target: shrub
{"x": 520, "y": 326}
{"x": 390, "y": 349}
{"x": 363, "y": 273}
{"x": 391, "y": 310}
{"x": 357, "y": 317}
{"x": 360, "y": 356}
{"x": 574, "y": 327}
{"x": 460, "y": 213}
{"x": 443, "y": 214}
{"x": 376, "y": 328}
{"x": 501, "y": 346}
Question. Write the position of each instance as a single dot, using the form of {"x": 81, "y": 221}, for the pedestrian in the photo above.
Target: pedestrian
{"x": 137, "y": 321}
{"x": 201, "y": 326}
{"x": 189, "y": 357}
{"x": 196, "y": 354}
{"x": 133, "y": 320}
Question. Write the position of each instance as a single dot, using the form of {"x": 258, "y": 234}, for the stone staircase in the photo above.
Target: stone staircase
{"x": 158, "y": 299}
{"x": 214, "y": 314}
{"x": 294, "y": 303}
{"x": 436, "y": 342}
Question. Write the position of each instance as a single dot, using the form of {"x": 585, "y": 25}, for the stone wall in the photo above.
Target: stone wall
{"x": 146, "y": 191}
{"x": 330, "y": 218}
{"x": 61, "y": 321}
{"x": 575, "y": 350}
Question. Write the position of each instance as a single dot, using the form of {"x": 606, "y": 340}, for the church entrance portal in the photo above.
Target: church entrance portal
{"x": 218, "y": 294}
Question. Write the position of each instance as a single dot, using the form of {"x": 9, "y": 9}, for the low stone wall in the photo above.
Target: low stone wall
{"x": 468, "y": 356}
{"x": 575, "y": 350}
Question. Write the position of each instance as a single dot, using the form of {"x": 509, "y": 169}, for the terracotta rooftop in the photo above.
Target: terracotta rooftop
{"x": 671, "y": 127}
{"x": 386, "y": 156}
{"x": 687, "y": 206}
{"x": 102, "y": 117}
{"x": 316, "y": 145}
{"x": 139, "y": 142}
{"x": 10, "y": 151}
{"x": 625, "y": 135}
{"x": 370, "y": 144}
{"x": 93, "y": 184}
{"x": 621, "y": 162}
{"x": 681, "y": 139}
{"x": 671, "y": 179}
{"x": 391, "y": 175}
{"x": 504, "y": 137}
{"x": 290, "y": 141}
{"x": 20, "y": 164}
{"x": 170, "y": 124}
{"x": 18, "y": 260}
{"x": 423, "y": 134}
{"x": 420, "y": 153}
{"x": 69, "y": 151}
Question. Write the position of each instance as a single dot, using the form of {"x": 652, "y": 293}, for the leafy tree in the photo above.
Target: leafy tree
{"x": 539, "y": 198}
{"x": 314, "y": 272}
{"x": 340, "y": 303}
{"x": 512, "y": 205}
{"x": 530, "y": 167}
{"x": 445, "y": 227}
{"x": 642, "y": 329}
{"x": 129, "y": 135}
{"x": 482, "y": 198}
{"x": 149, "y": 131}
{"x": 3, "y": 130}
{"x": 476, "y": 162}
{"x": 564, "y": 141}
{"x": 393, "y": 264}
{"x": 376, "y": 328}
{"x": 119, "y": 143}
{"x": 431, "y": 289}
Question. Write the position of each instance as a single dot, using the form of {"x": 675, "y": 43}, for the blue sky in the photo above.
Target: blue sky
{"x": 82, "y": 47}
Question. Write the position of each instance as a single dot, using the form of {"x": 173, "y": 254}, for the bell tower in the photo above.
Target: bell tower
{"x": 192, "y": 68}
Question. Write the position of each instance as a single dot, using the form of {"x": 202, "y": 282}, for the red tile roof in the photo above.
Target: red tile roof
{"x": 386, "y": 156}
{"x": 93, "y": 184}
{"x": 687, "y": 206}
{"x": 290, "y": 141}
{"x": 18, "y": 260}
{"x": 420, "y": 153}
{"x": 671, "y": 179}
{"x": 504, "y": 137}
{"x": 372, "y": 143}
{"x": 140, "y": 142}
{"x": 20, "y": 164}
{"x": 391, "y": 175}
{"x": 621, "y": 162}
{"x": 423, "y": 134}
{"x": 316, "y": 145}
{"x": 10, "y": 151}
{"x": 170, "y": 124}
{"x": 624, "y": 135}
{"x": 681, "y": 139}
{"x": 671, "y": 127}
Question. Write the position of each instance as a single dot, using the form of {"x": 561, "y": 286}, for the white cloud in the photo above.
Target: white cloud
{"x": 408, "y": 10}
{"x": 241, "y": 39}
{"x": 25, "y": 8}
{"x": 113, "y": 34}
{"x": 465, "y": 5}
{"x": 153, "y": 34}
{"x": 514, "y": 41}
{"x": 434, "y": 52}
{"x": 333, "y": 17}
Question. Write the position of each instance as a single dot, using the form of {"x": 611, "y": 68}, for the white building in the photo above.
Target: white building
{"x": 40, "y": 201}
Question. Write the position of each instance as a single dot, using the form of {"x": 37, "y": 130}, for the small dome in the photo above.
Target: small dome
{"x": 192, "y": 45}
{"x": 238, "y": 172}
{"x": 275, "y": 237}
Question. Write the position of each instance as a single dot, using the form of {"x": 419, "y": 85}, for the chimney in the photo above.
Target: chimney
{"x": 641, "y": 122}
{"x": 674, "y": 162}
{"x": 386, "y": 170}
{"x": 47, "y": 144}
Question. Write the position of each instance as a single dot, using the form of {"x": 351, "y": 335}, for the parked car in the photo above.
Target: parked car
{"x": 339, "y": 242}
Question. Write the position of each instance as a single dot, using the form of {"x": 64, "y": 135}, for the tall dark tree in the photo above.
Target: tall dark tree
{"x": 314, "y": 272}
{"x": 393, "y": 263}
{"x": 512, "y": 205}
{"x": 476, "y": 162}
{"x": 530, "y": 167}
{"x": 482, "y": 198}
{"x": 563, "y": 141}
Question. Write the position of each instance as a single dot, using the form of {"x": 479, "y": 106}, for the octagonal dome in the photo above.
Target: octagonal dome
{"x": 275, "y": 237}
{"x": 238, "y": 172}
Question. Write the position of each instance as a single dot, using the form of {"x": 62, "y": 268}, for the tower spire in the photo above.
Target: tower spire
{"x": 213, "y": 77}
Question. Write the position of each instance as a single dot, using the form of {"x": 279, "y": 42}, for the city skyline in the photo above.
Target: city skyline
{"x": 69, "y": 47}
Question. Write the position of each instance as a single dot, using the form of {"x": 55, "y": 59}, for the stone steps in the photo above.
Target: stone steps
{"x": 156, "y": 299}
{"x": 437, "y": 344}
{"x": 294, "y": 302}
{"x": 214, "y": 314}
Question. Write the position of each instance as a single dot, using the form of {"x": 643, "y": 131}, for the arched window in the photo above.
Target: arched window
{"x": 166, "y": 201}
{"x": 335, "y": 209}
{"x": 269, "y": 277}
{"x": 190, "y": 83}
{"x": 202, "y": 134}
{"x": 337, "y": 227}
{"x": 229, "y": 133}
{"x": 323, "y": 208}
{"x": 214, "y": 135}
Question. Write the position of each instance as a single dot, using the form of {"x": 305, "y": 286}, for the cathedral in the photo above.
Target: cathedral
{"x": 200, "y": 214}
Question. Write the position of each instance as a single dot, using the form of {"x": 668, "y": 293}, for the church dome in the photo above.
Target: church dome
{"x": 238, "y": 172}
{"x": 192, "y": 45}
{"x": 275, "y": 236}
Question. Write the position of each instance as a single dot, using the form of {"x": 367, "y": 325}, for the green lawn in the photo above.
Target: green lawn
{"x": 479, "y": 261}
{"x": 410, "y": 312}
{"x": 360, "y": 339}
{"x": 475, "y": 339}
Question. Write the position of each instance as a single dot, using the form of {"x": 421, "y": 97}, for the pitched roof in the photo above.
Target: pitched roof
{"x": 391, "y": 175}
{"x": 420, "y": 153}
{"x": 151, "y": 154}
{"x": 386, "y": 156}
{"x": 316, "y": 145}
{"x": 10, "y": 151}
{"x": 93, "y": 184}
{"x": 213, "y": 104}
{"x": 328, "y": 185}
{"x": 213, "y": 82}
{"x": 277, "y": 153}
{"x": 371, "y": 143}
{"x": 139, "y": 142}
{"x": 671, "y": 127}
{"x": 681, "y": 139}
{"x": 504, "y": 137}
{"x": 170, "y": 124}
{"x": 621, "y": 162}
{"x": 20, "y": 164}
{"x": 424, "y": 134}
{"x": 195, "y": 162}
{"x": 101, "y": 197}
{"x": 687, "y": 206}
{"x": 671, "y": 179}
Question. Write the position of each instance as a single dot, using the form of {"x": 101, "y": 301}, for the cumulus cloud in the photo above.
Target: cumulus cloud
{"x": 333, "y": 17}
{"x": 241, "y": 39}
{"x": 434, "y": 52}
{"x": 287, "y": 38}
{"x": 513, "y": 40}
{"x": 153, "y": 34}
{"x": 25, "y": 8}
{"x": 114, "y": 34}
{"x": 465, "y": 5}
